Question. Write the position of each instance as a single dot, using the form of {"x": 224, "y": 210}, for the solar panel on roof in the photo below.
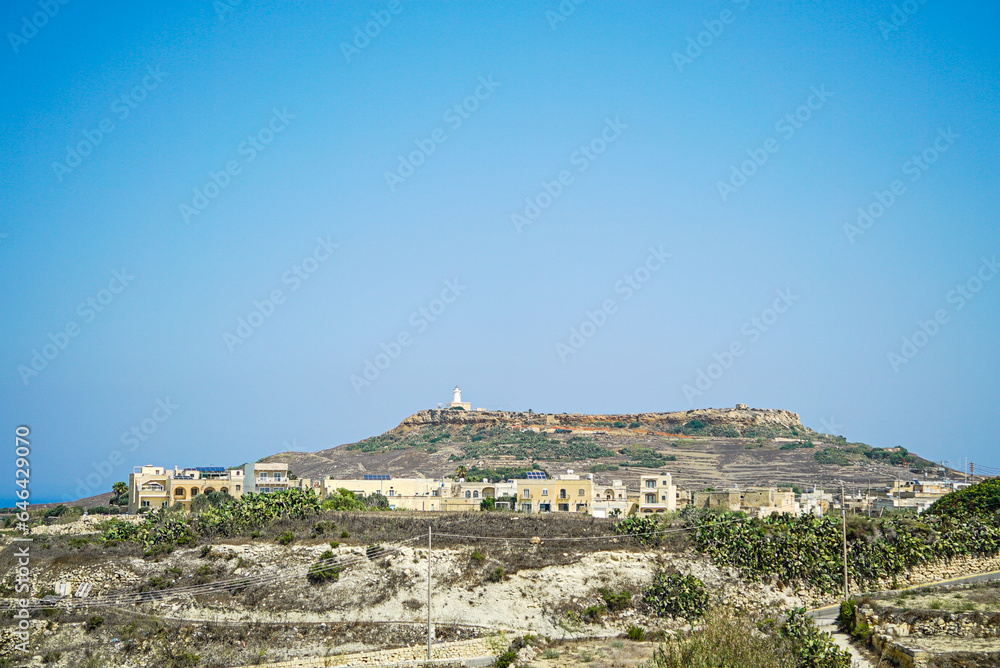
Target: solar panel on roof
{"x": 377, "y": 476}
{"x": 535, "y": 475}
{"x": 209, "y": 469}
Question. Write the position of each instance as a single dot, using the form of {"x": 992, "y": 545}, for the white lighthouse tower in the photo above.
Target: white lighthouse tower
{"x": 456, "y": 400}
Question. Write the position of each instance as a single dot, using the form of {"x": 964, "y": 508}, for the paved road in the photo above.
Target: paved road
{"x": 826, "y": 617}
{"x": 828, "y": 614}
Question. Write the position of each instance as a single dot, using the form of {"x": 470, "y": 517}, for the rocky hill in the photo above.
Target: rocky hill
{"x": 702, "y": 448}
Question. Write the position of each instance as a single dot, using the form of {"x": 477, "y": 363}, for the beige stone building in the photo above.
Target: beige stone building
{"x": 160, "y": 487}
{"x": 657, "y": 493}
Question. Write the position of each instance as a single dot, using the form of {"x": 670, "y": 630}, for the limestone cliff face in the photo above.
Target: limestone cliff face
{"x": 741, "y": 418}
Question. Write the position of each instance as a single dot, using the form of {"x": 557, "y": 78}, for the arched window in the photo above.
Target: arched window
{"x": 475, "y": 494}
{"x": 468, "y": 494}
{"x": 179, "y": 492}
{"x": 194, "y": 491}
{"x": 582, "y": 492}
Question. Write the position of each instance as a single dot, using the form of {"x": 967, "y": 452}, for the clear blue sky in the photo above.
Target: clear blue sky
{"x": 625, "y": 132}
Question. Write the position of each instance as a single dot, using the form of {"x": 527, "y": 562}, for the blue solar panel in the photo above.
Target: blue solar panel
{"x": 535, "y": 475}
{"x": 210, "y": 469}
{"x": 377, "y": 476}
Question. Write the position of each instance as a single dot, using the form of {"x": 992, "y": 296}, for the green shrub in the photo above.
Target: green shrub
{"x": 676, "y": 596}
{"x": 636, "y": 633}
{"x": 92, "y": 623}
{"x": 642, "y": 528}
{"x": 726, "y": 641}
{"x": 593, "y": 613}
{"x": 616, "y": 602}
{"x": 496, "y": 575}
{"x": 344, "y": 534}
{"x": 324, "y": 570}
{"x": 285, "y": 537}
{"x": 334, "y": 544}
{"x": 506, "y": 659}
{"x": 832, "y": 456}
{"x": 477, "y": 556}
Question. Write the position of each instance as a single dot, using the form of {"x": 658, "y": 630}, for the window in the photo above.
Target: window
{"x": 564, "y": 507}
{"x": 525, "y": 507}
{"x": 237, "y": 488}
{"x": 650, "y": 483}
{"x": 434, "y": 492}
{"x": 545, "y": 507}
{"x": 545, "y": 492}
{"x": 581, "y": 492}
{"x": 392, "y": 492}
{"x": 562, "y": 493}
{"x": 468, "y": 494}
{"x": 145, "y": 504}
{"x": 163, "y": 505}
{"x": 475, "y": 494}
{"x": 179, "y": 492}
{"x": 663, "y": 482}
{"x": 650, "y": 498}
{"x": 262, "y": 475}
{"x": 527, "y": 495}
{"x": 664, "y": 497}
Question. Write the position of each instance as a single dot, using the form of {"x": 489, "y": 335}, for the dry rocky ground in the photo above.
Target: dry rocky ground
{"x": 544, "y": 588}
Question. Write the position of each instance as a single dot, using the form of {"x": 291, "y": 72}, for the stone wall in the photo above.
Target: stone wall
{"x": 445, "y": 655}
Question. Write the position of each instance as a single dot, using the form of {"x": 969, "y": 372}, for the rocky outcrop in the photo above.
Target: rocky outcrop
{"x": 742, "y": 419}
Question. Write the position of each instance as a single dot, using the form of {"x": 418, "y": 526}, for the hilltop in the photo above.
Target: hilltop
{"x": 703, "y": 448}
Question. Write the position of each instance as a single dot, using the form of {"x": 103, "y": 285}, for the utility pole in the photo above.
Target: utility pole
{"x": 868, "y": 500}
{"x": 429, "y": 631}
{"x": 843, "y": 508}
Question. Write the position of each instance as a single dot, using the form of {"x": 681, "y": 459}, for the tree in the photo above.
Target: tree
{"x": 461, "y": 471}
{"x": 120, "y": 493}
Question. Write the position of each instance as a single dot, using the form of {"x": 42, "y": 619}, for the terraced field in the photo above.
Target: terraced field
{"x": 435, "y": 443}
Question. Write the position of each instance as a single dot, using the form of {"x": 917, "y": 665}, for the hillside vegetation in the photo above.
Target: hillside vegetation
{"x": 701, "y": 448}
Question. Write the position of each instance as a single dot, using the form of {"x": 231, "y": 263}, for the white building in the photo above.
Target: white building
{"x": 456, "y": 400}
